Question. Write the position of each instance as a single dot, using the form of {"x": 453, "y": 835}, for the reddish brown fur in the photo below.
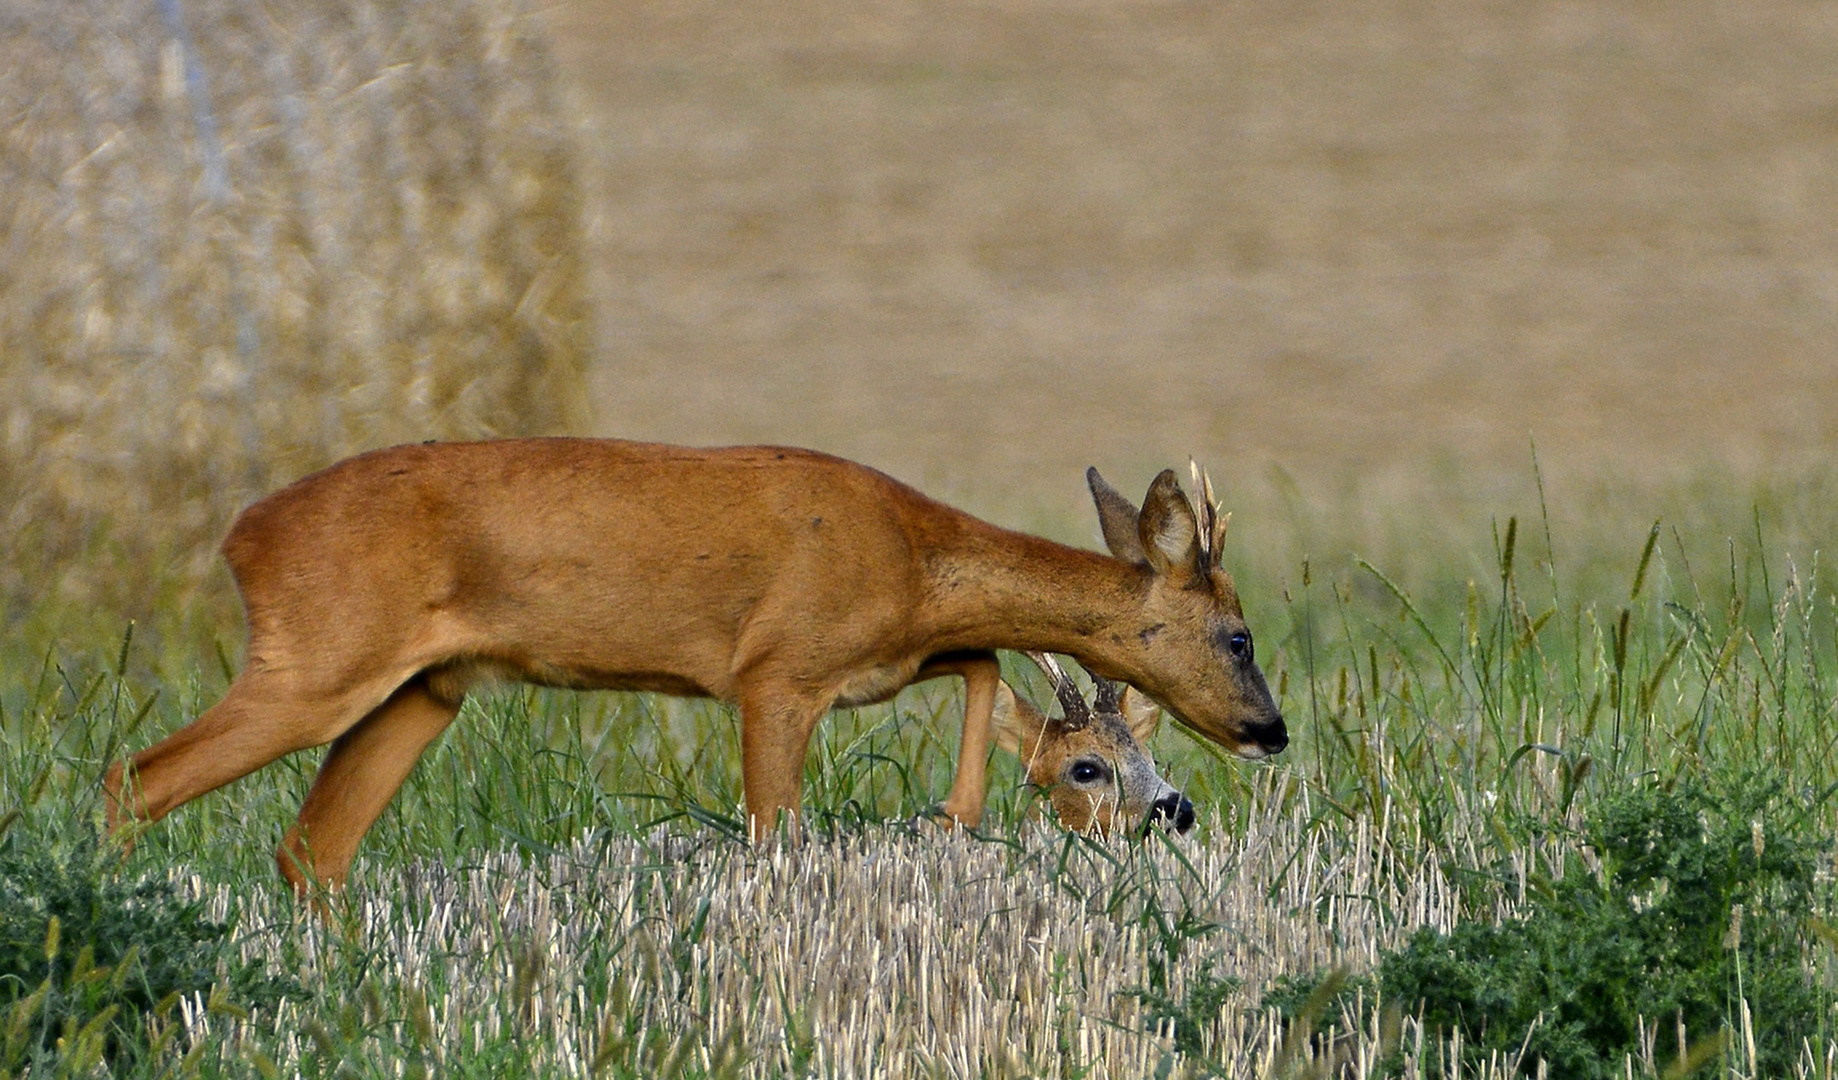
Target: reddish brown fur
{"x": 785, "y": 581}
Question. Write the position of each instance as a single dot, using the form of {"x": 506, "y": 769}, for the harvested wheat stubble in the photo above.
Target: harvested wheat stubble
{"x": 885, "y": 954}
{"x": 888, "y": 954}
{"x": 242, "y": 241}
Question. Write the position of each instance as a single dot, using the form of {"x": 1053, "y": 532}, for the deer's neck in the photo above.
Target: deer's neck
{"x": 994, "y": 589}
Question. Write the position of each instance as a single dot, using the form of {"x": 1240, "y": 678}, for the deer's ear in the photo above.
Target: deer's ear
{"x": 1142, "y": 715}
{"x": 1117, "y": 517}
{"x": 1170, "y": 534}
{"x": 1007, "y": 720}
{"x": 1019, "y": 726}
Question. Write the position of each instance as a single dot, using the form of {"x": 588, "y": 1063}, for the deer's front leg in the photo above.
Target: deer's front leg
{"x": 775, "y": 731}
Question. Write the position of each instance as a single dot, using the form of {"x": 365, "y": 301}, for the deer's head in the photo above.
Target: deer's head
{"x": 1091, "y": 760}
{"x": 1188, "y": 646}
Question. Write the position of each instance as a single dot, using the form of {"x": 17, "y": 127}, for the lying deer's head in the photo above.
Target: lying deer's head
{"x": 1191, "y": 650}
{"x": 1091, "y": 760}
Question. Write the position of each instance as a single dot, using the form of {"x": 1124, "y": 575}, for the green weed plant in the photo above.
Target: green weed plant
{"x": 94, "y": 962}
{"x": 1692, "y": 909}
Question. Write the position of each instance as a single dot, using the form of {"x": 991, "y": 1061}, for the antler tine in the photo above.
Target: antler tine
{"x": 1046, "y": 663}
{"x": 1071, "y": 702}
{"x": 1109, "y": 698}
{"x": 1203, "y": 507}
{"x": 1212, "y": 523}
{"x": 1220, "y": 521}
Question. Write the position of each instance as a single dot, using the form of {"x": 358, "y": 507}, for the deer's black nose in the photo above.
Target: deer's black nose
{"x": 1272, "y": 735}
{"x": 1174, "y": 808}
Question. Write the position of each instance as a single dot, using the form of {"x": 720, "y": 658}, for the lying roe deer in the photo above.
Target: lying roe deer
{"x": 785, "y": 581}
{"x": 1090, "y": 760}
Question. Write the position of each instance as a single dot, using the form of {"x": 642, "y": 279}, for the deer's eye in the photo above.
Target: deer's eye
{"x": 1087, "y": 772}
{"x": 1237, "y": 642}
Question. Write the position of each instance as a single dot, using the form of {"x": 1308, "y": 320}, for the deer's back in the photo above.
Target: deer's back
{"x": 590, "y": 562}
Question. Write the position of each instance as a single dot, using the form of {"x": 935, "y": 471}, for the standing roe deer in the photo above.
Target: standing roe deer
{"x": 785, "y": 581}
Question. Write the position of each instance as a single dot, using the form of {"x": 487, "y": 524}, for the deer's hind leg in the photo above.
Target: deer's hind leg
{"x": 360, "y": 774}
{"x": 262, "y": 717}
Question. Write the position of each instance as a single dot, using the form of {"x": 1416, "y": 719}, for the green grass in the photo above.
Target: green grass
{"x": 559, "y": 889}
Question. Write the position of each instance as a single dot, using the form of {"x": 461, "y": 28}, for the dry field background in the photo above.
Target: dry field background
{"x": 1354, "y": 259}
{"x": 1378, "y": 245}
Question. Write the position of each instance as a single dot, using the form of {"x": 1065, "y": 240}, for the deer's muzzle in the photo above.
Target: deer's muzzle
{"x": 1271, "y": 737}
{"x": 1173, "y": 808}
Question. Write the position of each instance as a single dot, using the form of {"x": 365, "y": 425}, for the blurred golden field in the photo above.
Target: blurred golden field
{"x": 1382, "y": 247}
{"x": 1355, "y": 260}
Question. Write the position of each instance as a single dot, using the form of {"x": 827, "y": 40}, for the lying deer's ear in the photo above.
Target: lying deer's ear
{"x": 1142, "y": 715}
{"x": 1169, "y": 532}
{"x": 1117, "y": 517}
{"x": 1009, "y": 721}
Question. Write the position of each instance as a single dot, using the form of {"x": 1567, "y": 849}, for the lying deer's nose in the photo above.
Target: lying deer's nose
{"x": 1173, "y": 807}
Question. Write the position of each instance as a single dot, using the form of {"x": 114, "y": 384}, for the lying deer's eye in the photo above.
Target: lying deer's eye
{"x": 1087, "y": 772}
{"x": 1241, "y": 645}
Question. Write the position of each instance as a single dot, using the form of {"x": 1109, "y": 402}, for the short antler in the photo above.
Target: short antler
{"x": 1206, "y": 511}
{"x": 1071, "y": 702}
